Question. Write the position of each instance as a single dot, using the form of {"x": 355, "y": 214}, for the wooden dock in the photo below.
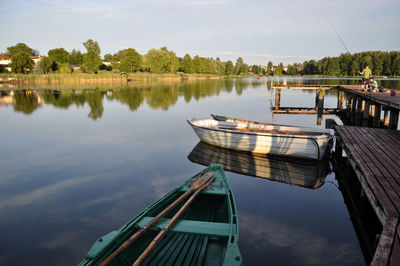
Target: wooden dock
{"x": 374, "y": 155}
{"x": 304, "y": 87}
{"x": 361, "y": 105}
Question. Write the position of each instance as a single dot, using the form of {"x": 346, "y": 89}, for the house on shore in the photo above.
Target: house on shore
{"x": 5, "y": 61}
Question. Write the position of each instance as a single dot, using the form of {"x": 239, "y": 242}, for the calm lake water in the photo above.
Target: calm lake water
{"x": 77, "y": 165}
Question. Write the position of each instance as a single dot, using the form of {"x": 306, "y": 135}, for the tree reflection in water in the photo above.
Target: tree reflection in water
{"x": 156, "y": 96}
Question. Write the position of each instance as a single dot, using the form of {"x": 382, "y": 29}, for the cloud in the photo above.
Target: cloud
{"x": 304, "y": 246}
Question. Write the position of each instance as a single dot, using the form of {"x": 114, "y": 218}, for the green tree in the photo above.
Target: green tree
{"x": 396, "y": 66}
{"x": 64, "y": 68}
{"x": 279, "y": 69}
{"x": 45, "y": 64}
{"x": 333, "y": 67}
{"x": 75, "y": 57}
{"x": 238, "y": 66}
{"x": 131, "y": 61}
{"x": 161, "y": 61}
{"x": 229, "y": 68}
{"x": 108, "y": 58}
{"x": 91, "y": 59}
{"x": 354, "y": 68}
{"x": 58, "y": 55}
{"x": 270, "y": 67}
{"x": 187, "y": 64}
{"x": 21, "y": 63}
{"x": 244, "y": 68}
{"x": 20, "y": 48}
{"x": 345, "y": 62}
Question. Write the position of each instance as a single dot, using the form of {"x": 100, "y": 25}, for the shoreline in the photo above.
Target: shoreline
{"x": 114, "y": 78}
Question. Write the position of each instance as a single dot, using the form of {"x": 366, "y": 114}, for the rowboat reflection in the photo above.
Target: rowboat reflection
{"x": 305, "y": 173}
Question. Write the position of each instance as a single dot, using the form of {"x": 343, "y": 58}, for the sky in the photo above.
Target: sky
{"x": 259, "y": 31}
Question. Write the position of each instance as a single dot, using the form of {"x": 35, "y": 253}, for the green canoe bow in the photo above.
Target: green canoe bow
{"x": 206, "y": 234}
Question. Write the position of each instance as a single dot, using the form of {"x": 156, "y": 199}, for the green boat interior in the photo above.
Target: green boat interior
{"x": 200, "y": 237}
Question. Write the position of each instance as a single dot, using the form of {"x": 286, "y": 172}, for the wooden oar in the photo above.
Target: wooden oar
{"x": 196, "y": 184}
{"x": 174, "y": 219}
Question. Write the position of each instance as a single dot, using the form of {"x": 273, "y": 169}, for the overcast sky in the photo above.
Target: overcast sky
{"x": 258, "y": 31}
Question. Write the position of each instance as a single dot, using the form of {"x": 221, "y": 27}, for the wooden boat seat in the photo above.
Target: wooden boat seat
{"x": 190, "y": 226}
{"x": 214, "y": 191}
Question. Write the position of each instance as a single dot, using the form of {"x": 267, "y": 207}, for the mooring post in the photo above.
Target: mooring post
{"x": 353, "y": 110}
{"x": 348, "y": 105}
{"x": 277, "y": 99}
{"x": 377, "y": 116}
{"x": 340, "y": 99}
{"x": 319, "y": 105}
{"x": 386, "y": 117}
{"x": 366, "y": 111}
{"x": 360, "y": 106}
{"x": 394, "y": 119}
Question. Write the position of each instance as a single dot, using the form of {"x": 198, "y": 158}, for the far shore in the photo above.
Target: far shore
{"x": 110, "y": 77}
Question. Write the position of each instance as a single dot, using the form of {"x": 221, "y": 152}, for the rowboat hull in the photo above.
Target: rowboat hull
{"x": 293, "y": 171}
{"x": 302, "y": 143}
{"x": 207, "y": 233}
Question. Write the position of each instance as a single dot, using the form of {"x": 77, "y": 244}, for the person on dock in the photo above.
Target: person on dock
{"x": 372, "y": 85}
{"x": 367, "y": 73}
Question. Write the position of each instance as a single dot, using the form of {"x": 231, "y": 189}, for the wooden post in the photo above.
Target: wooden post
{"x": 348, "y": 105}
{"x": 394, "y": 119}
{"x": 277, "y": 99}
{"x": 377, "y": 116}
{"x": 340, "y": 100}
{"x": 386, "y": 117}
{"x": 353, "y": 109}
{"x": 365, "y": 114}
{"x": 360, "y": 106}
{"x": 366, "y": 111}
{"x": 319, "y": 105}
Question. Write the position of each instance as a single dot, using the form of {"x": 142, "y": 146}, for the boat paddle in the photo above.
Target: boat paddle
{"x": 198, "y": 184}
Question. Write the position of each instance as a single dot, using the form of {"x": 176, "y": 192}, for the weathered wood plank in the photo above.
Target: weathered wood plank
{"x": 382, "y": 253}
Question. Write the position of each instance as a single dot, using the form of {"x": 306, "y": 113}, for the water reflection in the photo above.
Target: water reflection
{"x": 304, "y": 173}
{"x": 155, "y": 95}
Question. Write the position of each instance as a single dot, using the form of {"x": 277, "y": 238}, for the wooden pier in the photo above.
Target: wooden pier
{"x": 361, "y": 106}
{"x": 374, "y": 155}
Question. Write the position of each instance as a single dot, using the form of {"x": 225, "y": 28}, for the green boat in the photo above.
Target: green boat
{"x": 194, "y": 224}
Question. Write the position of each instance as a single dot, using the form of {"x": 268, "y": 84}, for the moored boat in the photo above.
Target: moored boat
{"x": 198, "y": 223}
{"x": 293, "y": 171}
{"x": 263, "y": 138}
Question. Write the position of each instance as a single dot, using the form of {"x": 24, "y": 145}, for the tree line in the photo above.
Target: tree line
{"x": 381, "y": 64}
{"x": 127, "y": 60}
{"x": 166, "y": 61}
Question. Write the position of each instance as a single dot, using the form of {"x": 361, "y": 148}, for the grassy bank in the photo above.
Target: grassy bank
{"x": 106, "y": 77}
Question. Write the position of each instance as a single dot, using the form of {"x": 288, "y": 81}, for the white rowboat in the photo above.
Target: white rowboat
{"x": 263, "y": 138}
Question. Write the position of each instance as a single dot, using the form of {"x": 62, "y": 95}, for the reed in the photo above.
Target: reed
{"x": 102, "y": 77}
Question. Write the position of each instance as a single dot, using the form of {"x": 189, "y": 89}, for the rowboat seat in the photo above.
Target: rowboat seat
{"x": 196, "y": 227}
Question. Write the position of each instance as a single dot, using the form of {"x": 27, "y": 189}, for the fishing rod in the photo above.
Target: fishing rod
{"x": 341, "y": 40}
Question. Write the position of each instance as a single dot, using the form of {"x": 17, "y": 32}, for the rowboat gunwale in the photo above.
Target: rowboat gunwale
{"x": 280, "y": 135}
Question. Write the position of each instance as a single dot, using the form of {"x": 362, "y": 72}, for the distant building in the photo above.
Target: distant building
{"x": 285, "y": 68}
{"x": 36, "y": 58}
{"x": 5, "y": 61}
{"x": 299, "y": 68}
